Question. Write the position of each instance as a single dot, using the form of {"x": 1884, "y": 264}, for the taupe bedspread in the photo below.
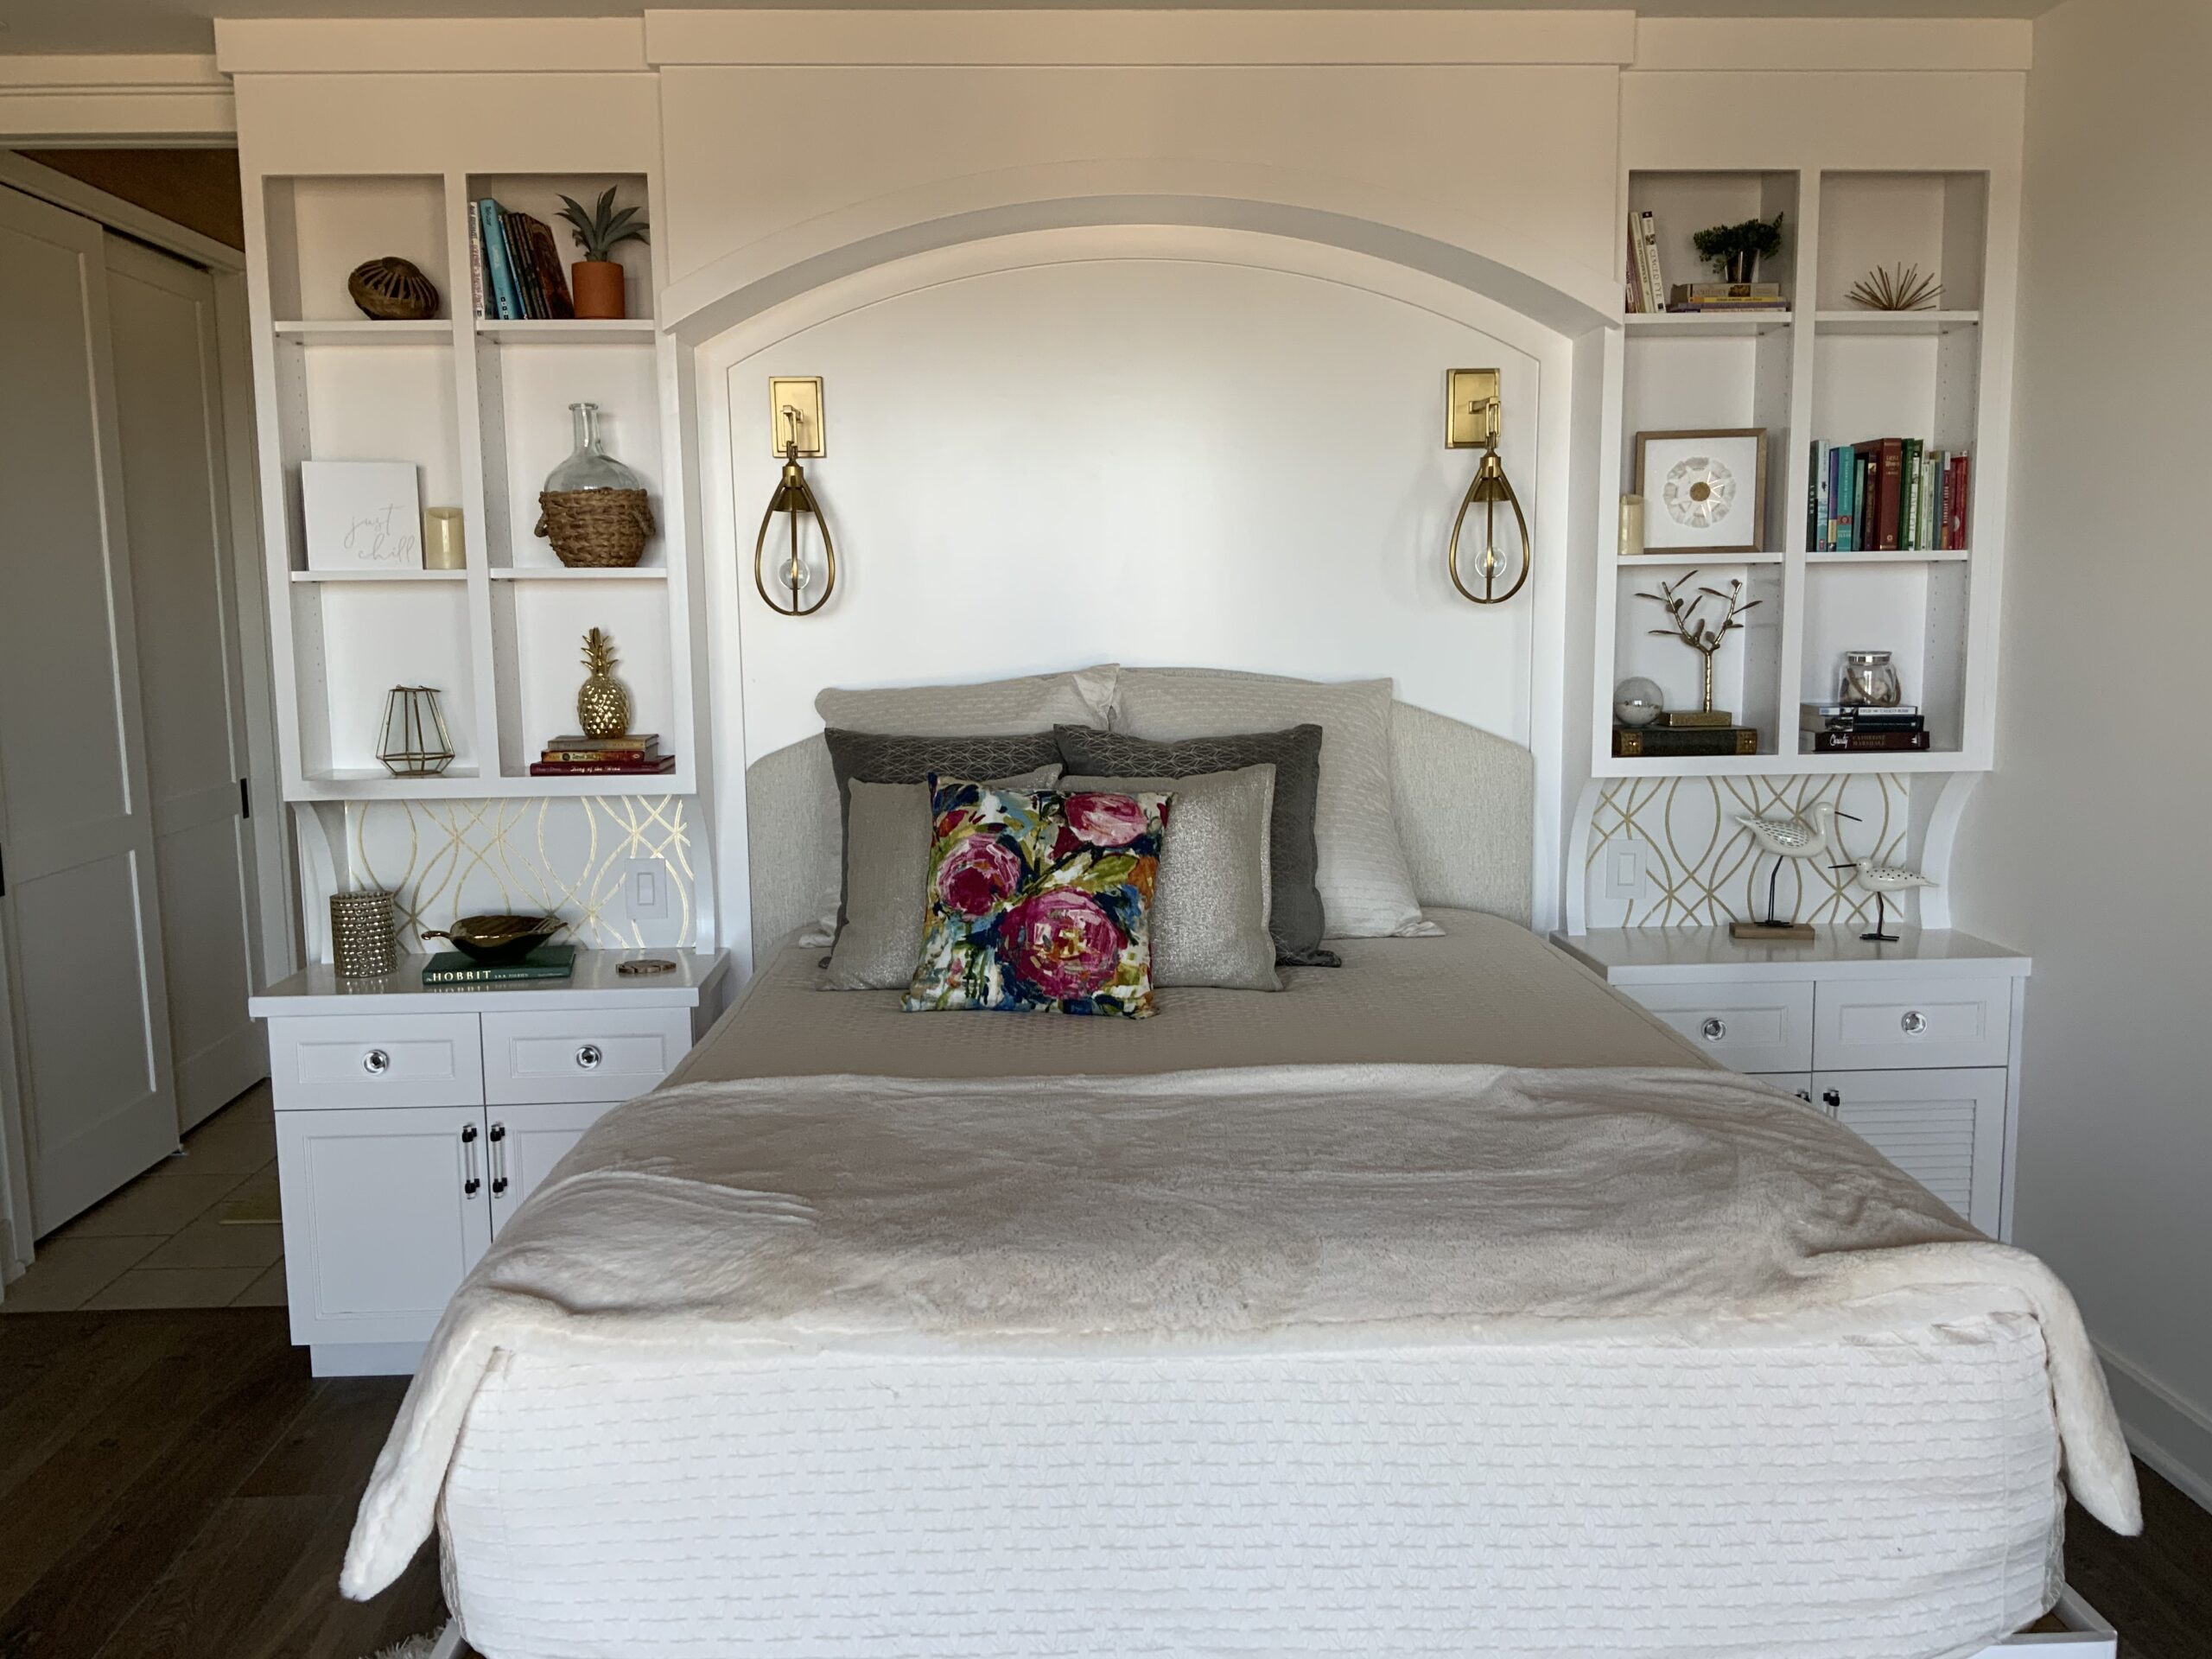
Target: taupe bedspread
{"x": 1486, "y": 992}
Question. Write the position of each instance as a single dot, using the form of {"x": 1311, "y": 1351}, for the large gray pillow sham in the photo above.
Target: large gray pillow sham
{"x": 1210, "y": 907}
{"x": 1295, "y": 916}
{"x": 887, "y": 833}
{"x": 997, "y": 708}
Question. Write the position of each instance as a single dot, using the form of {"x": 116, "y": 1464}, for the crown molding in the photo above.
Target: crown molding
{"x": 120, "y": 96}
{"x": 247, "y": 46}
{"x": 1146, "y": 39}
{"x": 1835, "y": 44}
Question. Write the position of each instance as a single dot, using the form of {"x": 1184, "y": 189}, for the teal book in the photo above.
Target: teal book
{"x": 546, "y": 962}
{"x": 506, "y": 299}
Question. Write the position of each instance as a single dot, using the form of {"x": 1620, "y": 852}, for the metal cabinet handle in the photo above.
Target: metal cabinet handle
{"x": 588, "y": 1056}
{"x": 468, "y": 1187}
{"x": 375, "y": 1062}
{"x": 1713, "y": 1029}
{"x": 1913, "y": 1023}
{"x": 498, "y": 1139}
{"x": 1832, "y": 1098}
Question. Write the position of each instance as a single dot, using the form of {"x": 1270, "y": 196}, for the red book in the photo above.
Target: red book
{"x": 1890, "y": 500}
{"x": 602, "y": 768}
{"x": 1959, "y": 503}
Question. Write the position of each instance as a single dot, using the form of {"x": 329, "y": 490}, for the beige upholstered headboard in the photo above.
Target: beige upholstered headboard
{"x": 1466, "y": 804}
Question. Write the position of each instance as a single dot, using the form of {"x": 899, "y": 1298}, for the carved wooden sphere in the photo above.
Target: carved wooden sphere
{"x": 392, "y": 290}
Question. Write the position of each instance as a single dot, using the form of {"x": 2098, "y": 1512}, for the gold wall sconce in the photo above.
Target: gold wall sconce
{"x": 795, "y": 421}
{"x": 1473, "y": 415}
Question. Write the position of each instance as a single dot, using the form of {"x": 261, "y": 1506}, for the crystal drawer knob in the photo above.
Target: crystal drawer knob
{"x": 1913, "y": 1023}
{"x": 588, "y": 1056}
{"x": 1713, "y": 1029}
{"x": 375, "y": 1062}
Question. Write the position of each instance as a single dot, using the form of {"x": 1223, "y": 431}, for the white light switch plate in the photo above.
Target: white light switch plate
{"x": 645, "y": 891}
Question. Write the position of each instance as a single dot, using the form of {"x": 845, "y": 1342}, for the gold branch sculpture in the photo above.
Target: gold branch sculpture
{"x": 1698, "y": 633}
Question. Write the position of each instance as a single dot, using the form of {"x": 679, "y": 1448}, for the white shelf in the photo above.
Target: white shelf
{"x": 540, "y": 331}
{"x": 563, "y": 573}
{"x": 375, "y": 783}
{"x": 1946, "y": 556}
{"x": 1706, "y": 325}
{"x": 363, "y": 331}
{"x": 1630, "y": 561}
{"x": 1895, "y": 323}
{"x": 379, "y": 575}
{"x": 1751, "y": 766}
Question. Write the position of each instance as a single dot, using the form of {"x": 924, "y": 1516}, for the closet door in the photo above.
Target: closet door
{"x": 80, "y": 917}
{"x": 168, "y": 406}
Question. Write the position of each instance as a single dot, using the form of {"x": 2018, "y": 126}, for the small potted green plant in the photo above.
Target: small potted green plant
{"x": 596, "y": 278}
{"x": 1734, "y": 251}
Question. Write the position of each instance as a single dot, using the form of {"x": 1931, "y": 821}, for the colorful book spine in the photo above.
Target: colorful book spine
{"x": 518, "y": 261}
{"x": 601, "y": 768}
{"x": 1813, "y": 499}
{"x": 475, "y": 262}
{"x": 507, "y": 298}
{"x": 1962, "y": 503}
{"x": 1656, "y": 283}
{"x": 1890, "y": 498}
{"x": 547, "y": 962}
{"x": 1635, "y": 301}
{"x": 1858, "y": 742}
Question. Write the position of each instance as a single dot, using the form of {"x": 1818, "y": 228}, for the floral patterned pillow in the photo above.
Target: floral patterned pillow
{"x": 1039, "y": 901}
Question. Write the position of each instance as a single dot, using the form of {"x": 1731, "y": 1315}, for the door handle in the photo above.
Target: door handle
{"x": 471, "y": 1183}
{"x": 498, "y": 1139}
{"x": 588, "y": 1056}
{"x": 1713, "y": 1029}
{"x": 375, "y": 1062}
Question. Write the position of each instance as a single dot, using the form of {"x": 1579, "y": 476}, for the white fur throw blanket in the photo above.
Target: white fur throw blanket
{"x": 1307, "y": 1205}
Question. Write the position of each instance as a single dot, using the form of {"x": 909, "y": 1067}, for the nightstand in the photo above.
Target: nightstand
{"x": 1915, "y": 1045}
{"x": 411, "y": 1121}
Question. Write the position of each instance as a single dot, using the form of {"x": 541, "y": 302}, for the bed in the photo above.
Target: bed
{"x": 1384, "y": 1315}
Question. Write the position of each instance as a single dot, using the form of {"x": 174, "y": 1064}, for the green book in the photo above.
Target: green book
{"x": 546, "y": 962}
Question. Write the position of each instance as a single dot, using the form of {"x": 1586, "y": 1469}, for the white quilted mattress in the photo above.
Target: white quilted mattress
{"x": 1738, "y": 1491}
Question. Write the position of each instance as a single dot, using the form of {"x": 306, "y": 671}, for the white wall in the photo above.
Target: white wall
{"x": 2086, "y": 846}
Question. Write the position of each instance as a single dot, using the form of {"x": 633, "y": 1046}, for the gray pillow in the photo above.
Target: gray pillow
{"x": 1209, "y": 911}
{"x": 887, "y": 878}
{"x": 1295, "y": 916}
{"x": 995, "y": 706}
{"x": 907, "y": 758}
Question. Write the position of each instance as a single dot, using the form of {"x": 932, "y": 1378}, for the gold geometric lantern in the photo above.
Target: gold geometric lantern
{"x": 416, "y": 743}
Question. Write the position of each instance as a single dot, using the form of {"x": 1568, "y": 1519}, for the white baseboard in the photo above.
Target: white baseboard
{"x": 2173, "y": 1435}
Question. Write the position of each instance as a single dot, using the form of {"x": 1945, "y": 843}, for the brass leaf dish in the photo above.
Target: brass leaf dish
{"x": 497, "y": 938}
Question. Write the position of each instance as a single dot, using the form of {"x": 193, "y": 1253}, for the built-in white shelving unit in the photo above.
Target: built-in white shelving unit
{"x": 480, "y": 408}
{"x": 1824, "y": 370}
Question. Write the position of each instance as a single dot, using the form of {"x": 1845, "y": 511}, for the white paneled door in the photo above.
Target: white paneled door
{"x": 168, "y": 406}
{"x": 80, "y": 915}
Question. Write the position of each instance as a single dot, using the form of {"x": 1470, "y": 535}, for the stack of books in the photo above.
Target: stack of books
{"x": 1887, "y": 495}
{"x": 1726, "y": 296}
{"x": 1860, "y": 728}
{"x": 545, "y": 962}
{"x": 514, "y": 266}
{"x": 636, "y": 755}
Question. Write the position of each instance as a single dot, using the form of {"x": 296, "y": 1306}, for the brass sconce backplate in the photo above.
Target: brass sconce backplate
{"x": 802, "y": 395}
{"x": 1470, "y": 408}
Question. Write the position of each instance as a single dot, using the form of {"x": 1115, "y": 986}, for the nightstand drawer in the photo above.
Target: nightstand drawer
{"x": 581, "y": 1054}
{"x": 328, "y": 1061}
{"x": 1747, "y": 1027}
{"x": 1882, "y": 1023}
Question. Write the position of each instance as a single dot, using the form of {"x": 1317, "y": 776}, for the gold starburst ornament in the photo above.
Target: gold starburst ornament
{"x": 1901, "y": 289}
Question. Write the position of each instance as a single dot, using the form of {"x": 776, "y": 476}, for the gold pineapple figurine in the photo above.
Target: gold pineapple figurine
{"x": 602, "y": 706}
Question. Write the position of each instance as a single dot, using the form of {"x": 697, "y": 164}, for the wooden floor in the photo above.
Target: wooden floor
{"x": 174, "y": 1485}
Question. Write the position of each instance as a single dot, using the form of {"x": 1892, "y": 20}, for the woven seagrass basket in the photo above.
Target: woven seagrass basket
{"x": 595, "y": 528}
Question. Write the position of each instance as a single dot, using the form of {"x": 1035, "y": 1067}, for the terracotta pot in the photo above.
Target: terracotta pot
{"x": 597, "y": 286}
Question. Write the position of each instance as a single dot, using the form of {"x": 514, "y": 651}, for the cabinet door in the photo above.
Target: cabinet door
{"x": 385, "y": 1210}
{"x": 1799, "y": 1083}
{"x": 525, "y": 1141}
{"x": 1758, "y": 1026}
{"x": 1945, "y": 1129}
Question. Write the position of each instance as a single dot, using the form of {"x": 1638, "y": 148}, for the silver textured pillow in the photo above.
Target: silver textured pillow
{"x": 991, "y": 708}
{"x": 886, "y": 880}
{"x": 1366, "y": 887}
{"x": 1210, "y": 912}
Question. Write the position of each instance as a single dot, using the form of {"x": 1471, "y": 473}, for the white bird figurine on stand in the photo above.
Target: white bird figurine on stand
{"x": 1881, "y": 880}
{"x": 1788, "y": 838}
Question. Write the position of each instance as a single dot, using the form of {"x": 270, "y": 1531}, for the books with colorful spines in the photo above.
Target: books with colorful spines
{"x": 606, "y": 767}
{"x": 629, "y": 743}
{"x": 525, "y": 269}
{"x": 504, "y": 302}
{"x": 1857, "y": 742}
{"x": 1685, "y": 741}
{"x": 1961, "y": 500}
{"x": 545, "y": 961}
{"x": 1890, "y": 497}
{"x": 545, "y": 261}
{"x": 597, "y": 758}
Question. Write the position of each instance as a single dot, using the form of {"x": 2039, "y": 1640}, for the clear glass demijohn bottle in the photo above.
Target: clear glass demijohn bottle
{"x": 589, "y": 465}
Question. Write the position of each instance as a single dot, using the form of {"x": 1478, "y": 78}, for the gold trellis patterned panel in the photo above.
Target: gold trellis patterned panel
{"x": 1702, "y": 869}
{"x": 570, "y": 856}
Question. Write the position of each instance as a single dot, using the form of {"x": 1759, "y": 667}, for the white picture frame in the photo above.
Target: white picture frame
{"x": 362, "y": 515}
{"x": 1705, "y": 490}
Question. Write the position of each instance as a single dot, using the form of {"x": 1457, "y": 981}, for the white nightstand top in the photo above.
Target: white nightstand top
{"x": 1652, "y": 955}
{"x": 318, "y": 990}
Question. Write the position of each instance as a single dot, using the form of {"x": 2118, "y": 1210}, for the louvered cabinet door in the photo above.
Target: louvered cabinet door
{"x": 1945, "y": 1129}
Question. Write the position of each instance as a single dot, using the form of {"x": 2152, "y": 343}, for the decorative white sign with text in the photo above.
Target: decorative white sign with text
{"x": 362, "y": 515}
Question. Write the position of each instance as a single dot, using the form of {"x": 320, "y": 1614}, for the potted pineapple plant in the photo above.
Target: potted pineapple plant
{"x": 598, "y": 229}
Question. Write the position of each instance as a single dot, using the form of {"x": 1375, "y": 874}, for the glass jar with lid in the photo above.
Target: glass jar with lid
{"x": 1870, "y": 680}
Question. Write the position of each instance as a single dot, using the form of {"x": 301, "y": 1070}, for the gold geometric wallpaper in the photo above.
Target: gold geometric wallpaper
{"x": 1700, "y": 868}
{"x": 572, "y": 856}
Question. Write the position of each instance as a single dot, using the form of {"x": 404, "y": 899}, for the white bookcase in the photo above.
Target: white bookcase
{"x": 481, "y": 408}
{"x": 1826, "y": 370}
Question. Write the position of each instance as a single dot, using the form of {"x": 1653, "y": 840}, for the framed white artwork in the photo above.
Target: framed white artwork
{"x": 1703, "y": 490}
{"x": 362, "y": 515}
